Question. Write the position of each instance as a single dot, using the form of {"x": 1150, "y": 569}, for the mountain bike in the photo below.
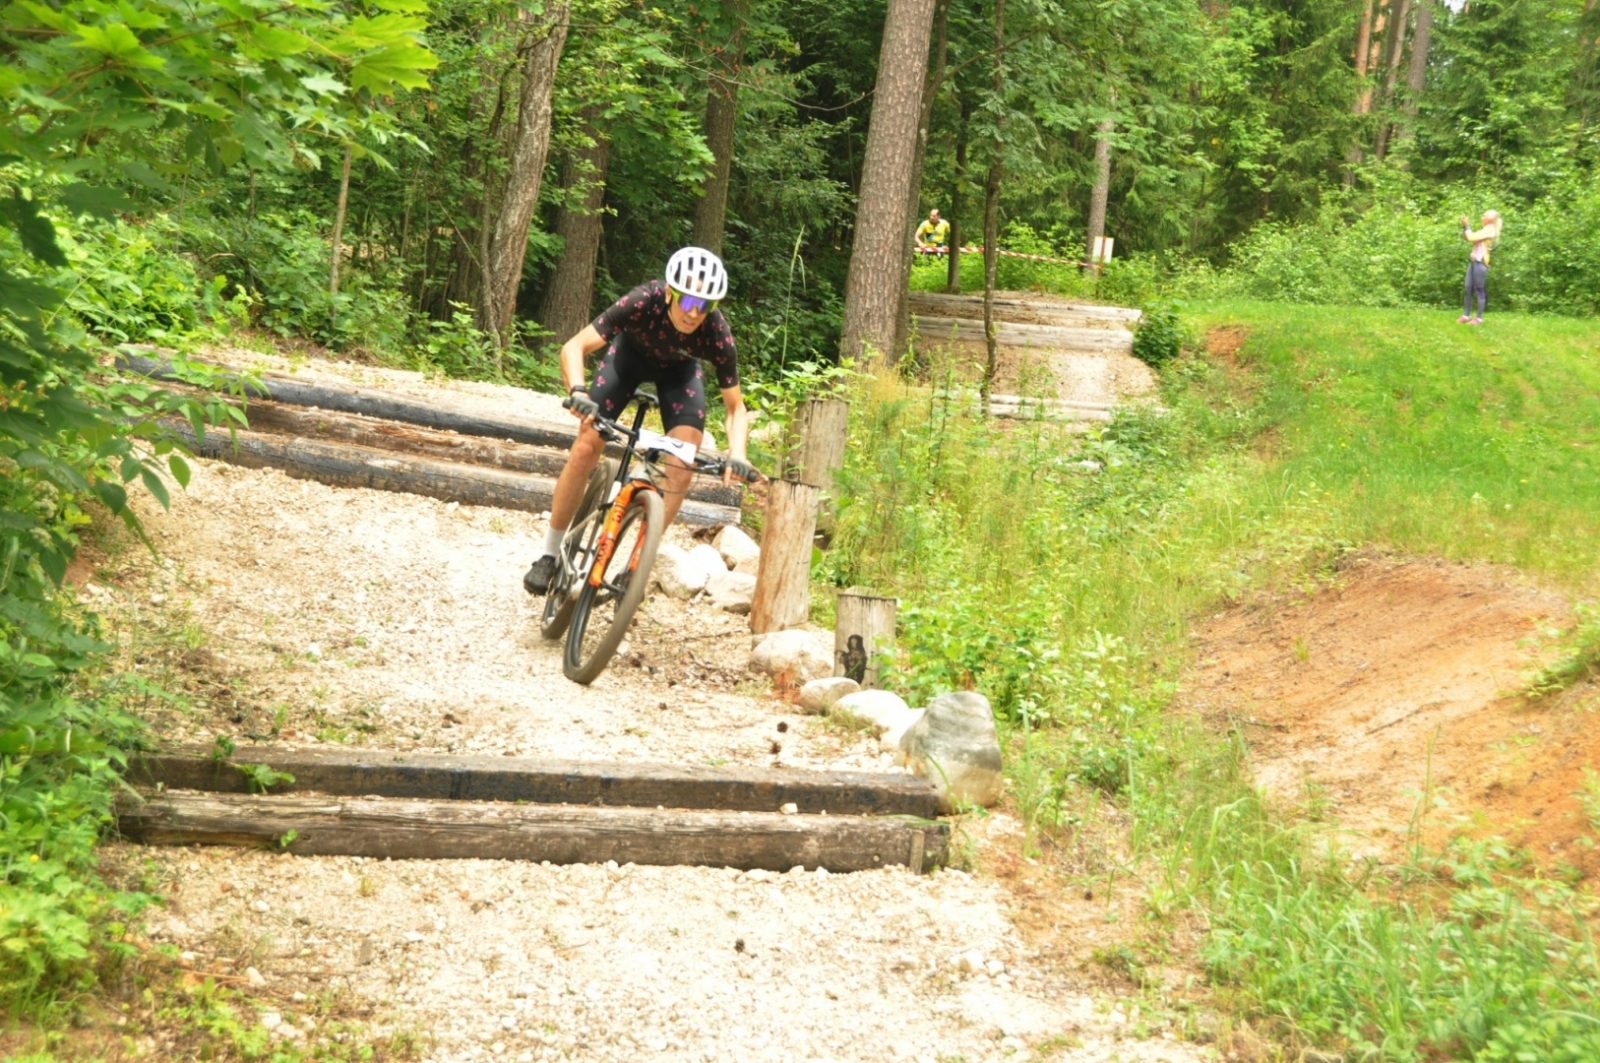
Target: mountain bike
{"x": 603, "y": 566}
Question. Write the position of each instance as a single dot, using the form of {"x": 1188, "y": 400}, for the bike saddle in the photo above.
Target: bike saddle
{"x": 646, "y": 398}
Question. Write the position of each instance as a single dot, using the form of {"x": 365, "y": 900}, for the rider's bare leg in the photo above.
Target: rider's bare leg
{"x": 677, "y": 473}
{"x": 581, "y": 460}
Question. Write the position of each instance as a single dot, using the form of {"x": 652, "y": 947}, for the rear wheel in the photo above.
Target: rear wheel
{"x": 563, "y": 595}
{"x": 602, "y": 615}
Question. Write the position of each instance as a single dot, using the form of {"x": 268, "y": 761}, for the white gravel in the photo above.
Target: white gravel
{"x": 520, "y": 961}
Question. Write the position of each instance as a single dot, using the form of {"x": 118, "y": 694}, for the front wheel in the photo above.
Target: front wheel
{"x": 563, "y": 595}
{"x": 601, "y": 618}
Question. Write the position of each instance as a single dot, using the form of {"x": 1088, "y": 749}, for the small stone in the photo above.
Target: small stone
{"x": 819, "y": 695}
{"x": 298, "y": 997}
{"x": 788, "y": 808}
{"x": 187, "y": 959}
{"x": 882, "y": 710}
{"x": 954, "y": 746}
{"x": 793, "y": 657}
{"x": 970, "y": 963}
{"x": 367, "y": 953}
{"x": 261, "y": 906}
{"x": 735, "y": 546}
{"x": 254, "y": 977}
{"x": 271, "y": 1019}
{"x": 1011, "y": 1044}
{"x": 732, "y": 592}
{"x": 995, "y": 968}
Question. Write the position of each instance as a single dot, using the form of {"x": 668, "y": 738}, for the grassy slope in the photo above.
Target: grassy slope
{"x": 1479, "y": 443}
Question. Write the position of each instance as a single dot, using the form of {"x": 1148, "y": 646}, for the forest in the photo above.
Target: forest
{"x": 457, "y": 186}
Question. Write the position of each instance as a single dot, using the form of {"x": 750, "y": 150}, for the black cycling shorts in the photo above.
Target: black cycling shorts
{"x": 679, "y": 385}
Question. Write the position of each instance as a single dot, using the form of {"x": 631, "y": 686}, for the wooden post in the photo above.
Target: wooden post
{"x": 863, "y": 636}
{"x": 821, "y": 428}
{"x": 783, "y": 577}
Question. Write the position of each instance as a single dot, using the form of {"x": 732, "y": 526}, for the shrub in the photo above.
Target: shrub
{"x": 1160, "y": 334}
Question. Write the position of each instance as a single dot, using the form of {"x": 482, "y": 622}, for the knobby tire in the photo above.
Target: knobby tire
{"x": 600, "y": 619}
{"x": 562, "y": 596}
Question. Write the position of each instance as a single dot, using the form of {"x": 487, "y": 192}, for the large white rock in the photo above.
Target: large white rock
{"x": 676, "y": 573}
{"x": 705, "y": 555}
{"x": 735, "y": 546}
{"x": 954, "y": 746}
{"x": 795, "y": 656}
{"x": 819, "y": 695}
{"x": 890, "y": 741}
{"x": 883, "y": 710}
{"x": 732, "y": 591}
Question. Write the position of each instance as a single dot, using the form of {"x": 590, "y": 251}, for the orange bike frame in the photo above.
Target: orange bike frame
{"x": 613, "y": 525}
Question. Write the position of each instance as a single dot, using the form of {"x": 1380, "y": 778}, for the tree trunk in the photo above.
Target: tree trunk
{"x": 1102, "y": 181}
{"x": 783, "y": 575}
{"x": 930, "y": 92}
{"x": 991, "y": 261}
{"x": 872, "y": 291}
{"x": 958, "y": 201}
{"x": 1588, "y": 72}
{"x": 337, "y": 249}
{"x": 1421, "y": 39}
{"x": 991, "y": 212}
{"x": 1363, "y": 100}
{"x": 710, "y": 214}
{"x": 564, "y": 307}
{"x": 1391, "y": 71}
{"x": 508, "y": 245}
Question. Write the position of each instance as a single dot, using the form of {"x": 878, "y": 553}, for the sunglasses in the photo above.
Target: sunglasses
{"x": 694, "y": 304}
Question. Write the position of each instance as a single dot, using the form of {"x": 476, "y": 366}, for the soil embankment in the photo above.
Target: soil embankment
{"x": 1392, "y": 697}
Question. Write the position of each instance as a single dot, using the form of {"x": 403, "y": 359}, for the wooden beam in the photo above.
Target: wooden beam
{"x": 333, "y": 427}
{"x": 561, "y": 834}
{"x": 343, "y": 465}
{"x": 1047, "y": 337}
{"x": 356, "y": 772}
{"x": 936, "y": 304}
{"x": 373, "y": 402}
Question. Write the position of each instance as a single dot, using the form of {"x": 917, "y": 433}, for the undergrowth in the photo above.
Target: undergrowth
{"x": 1058, "y": 572}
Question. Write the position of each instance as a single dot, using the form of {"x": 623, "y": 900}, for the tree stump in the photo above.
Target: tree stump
{"x": 821, "y": 427}
{"x": 863, "y": 636}
{"x": 783, "y": 576}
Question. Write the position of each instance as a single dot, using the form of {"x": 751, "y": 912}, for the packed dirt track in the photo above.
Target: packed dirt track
{"x": 1391, "y": 699}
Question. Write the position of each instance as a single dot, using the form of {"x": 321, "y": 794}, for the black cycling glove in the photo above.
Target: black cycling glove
{"x": 581, "y": 404}
{"x": 742, "y": 470}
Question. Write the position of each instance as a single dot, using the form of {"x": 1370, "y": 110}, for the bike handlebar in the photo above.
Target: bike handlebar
{"x": 612, "y": 432}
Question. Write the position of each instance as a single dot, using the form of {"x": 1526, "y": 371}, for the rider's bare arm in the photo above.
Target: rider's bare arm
{"x": 573, "y": 351}
{"x": 737, "y": 422}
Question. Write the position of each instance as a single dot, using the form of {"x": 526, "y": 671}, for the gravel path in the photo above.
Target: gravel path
{"x": 398, "y": 622}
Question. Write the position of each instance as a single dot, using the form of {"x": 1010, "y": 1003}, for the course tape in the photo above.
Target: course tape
{"x": 929, "y": 249}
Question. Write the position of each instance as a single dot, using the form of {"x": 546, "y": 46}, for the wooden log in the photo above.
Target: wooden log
{"x": 376, "y": 403}
{"x": 936, "y": 304}
{"x": 822, "y": 426}
{"x": 1039, "y": 337}
{"x": 358, "y": 772}
{"x": 863, "y": 636}
{"x": 334, "y": 427}
{"x": 343, "y": 465}
{"x": 783, "y": 575}
{"x": 561, "y": 834}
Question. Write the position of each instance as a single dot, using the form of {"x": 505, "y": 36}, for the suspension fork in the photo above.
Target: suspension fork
{"x": 609, "y": 531}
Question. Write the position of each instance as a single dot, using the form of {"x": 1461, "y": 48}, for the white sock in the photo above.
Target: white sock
{"x": 552, "y": 541}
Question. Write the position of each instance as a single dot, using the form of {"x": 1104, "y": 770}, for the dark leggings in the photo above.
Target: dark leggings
{"x": 1477, "y": 285}
{"x": 680, "y": 385}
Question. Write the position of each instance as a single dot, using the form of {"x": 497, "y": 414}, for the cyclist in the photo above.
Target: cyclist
{"x": 660, "y": 333}
{"x": 934, "y": 234}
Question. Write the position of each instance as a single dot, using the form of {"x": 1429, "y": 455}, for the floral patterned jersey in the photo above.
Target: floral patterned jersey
{"x": 640, "y": 320}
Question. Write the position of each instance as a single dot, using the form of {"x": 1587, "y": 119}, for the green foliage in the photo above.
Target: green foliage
{"x": 1580, "y": 662}
{"x": 1160, "y": 335}
{"x": 1409, "y": 252}
{"x": 263, "y": 778}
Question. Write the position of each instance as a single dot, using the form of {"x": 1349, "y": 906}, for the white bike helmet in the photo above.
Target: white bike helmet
{"x": 696, "y": 271}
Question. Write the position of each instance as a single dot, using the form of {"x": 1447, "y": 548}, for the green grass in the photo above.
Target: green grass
{"x": 1067, "y": 596}
{"x": 1474, "y": 443}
